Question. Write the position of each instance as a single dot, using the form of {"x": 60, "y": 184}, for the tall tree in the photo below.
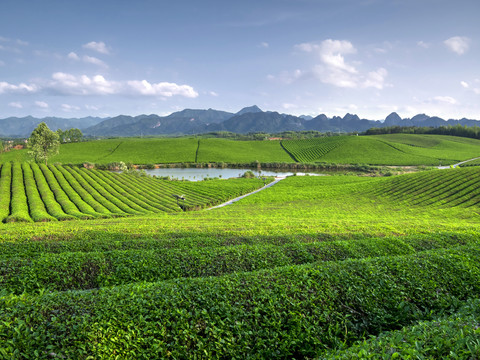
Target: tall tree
{"x": 43, "y": 143}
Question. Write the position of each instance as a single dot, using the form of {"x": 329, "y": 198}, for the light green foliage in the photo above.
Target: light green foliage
{"x": 43, "y": 143}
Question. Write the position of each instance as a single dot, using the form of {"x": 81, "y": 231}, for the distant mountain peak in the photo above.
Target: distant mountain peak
{"x": 393, "y": 119}
{"x": 249, "y": 109}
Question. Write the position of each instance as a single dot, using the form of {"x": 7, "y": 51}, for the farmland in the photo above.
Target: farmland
{"x": 391, "y": 149}
{"x": 32, "y": 192}
{"x": 304, "y": 269}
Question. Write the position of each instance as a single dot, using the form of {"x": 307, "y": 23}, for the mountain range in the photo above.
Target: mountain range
{"x": 191, "y": 121}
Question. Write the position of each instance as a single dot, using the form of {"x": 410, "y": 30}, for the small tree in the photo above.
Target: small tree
{"x": 43, "y": 143}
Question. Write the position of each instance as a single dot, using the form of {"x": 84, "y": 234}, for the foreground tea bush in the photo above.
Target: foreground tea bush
{"x": 85, "y": 270}
{"x": 454, "y": 337}
{"x": 288, "y": 312}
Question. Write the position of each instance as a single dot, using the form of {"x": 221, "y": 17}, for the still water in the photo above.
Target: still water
{"x": 196, "y": 174}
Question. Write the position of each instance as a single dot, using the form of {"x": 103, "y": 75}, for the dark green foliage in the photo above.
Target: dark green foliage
{"x": 51, "y": 271}
{"x": 43, "y": 143}
{"x": 448, "y": 337}
{"x": 288, "y": 312}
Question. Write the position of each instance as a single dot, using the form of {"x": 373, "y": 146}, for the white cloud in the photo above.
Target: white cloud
{"x": 82, "y": 85}
{"x": 69, "y": 84}
{"x": 335, "y": 70}
{"x": 69, "y": 108}
{"x": 94, "y": 61}
{"x": 445, "y": 100}
{"x": 213, "y": 93}
{"x": 264, "y": 45}
{"x": 20, "y": 88}
{"x": 22, "y": 43}
{"x": 376, "y": 79}
{"x": 91, "y": 107}
{"x": 423, "y": 44}
{"x": 289, "y": 106}
{"x": 73, "y": 56}
{"x": 41, "y": 104}
{"x": 17, "y": 105}
{"x": 458, "y": 44}
{"x": 97, "y": 46}
{"x": 287, "y": 77}
{"x": 164, "y": 89}
{"x": 464, "y": 84}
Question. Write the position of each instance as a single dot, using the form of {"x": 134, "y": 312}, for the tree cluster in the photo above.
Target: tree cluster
{"x": 455, "y": 130}
{"x": 70, "y": 135}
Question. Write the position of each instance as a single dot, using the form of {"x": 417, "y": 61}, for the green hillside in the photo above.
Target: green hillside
{"x": 392, "y": 149}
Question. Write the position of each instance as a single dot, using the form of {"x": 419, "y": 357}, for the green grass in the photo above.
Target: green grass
{"x": 231, "y": 151}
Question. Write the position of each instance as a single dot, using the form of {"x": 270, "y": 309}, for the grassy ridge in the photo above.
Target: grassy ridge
{"x": 390, "y": 149}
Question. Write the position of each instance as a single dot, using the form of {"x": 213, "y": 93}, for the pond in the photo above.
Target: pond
{"x": 197, "y": 174}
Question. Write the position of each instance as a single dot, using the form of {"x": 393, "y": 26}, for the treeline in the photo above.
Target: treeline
{"x": 455, "y": 130}
{"x": 296, "y": 135}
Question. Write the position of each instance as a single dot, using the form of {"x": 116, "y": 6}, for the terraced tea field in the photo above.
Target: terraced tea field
{"x": 392, "y": 149}
{"x": 31, "y": 192}
{"x": 309, "y": 268}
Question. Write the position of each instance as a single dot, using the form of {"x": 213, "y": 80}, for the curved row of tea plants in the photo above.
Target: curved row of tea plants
{"x": 311, "y": 150}
{"x": 294, "y": 311}
{"x": 31, "y": 192}
{"x": 451, "y": 187}
{"x": 34, "y": 272}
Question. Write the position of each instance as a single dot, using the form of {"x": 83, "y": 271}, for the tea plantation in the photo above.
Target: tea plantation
{"x": 313, "y": 267}
{"x": 391, "y": 149}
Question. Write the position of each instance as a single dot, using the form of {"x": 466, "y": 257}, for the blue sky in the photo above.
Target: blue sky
{"x": 369, "y": 57}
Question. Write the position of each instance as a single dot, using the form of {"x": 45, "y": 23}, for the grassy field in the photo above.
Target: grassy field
{"x": 394, "y": 149}
{"x": 230, "y": 151}
{"x": 308, "y": 268}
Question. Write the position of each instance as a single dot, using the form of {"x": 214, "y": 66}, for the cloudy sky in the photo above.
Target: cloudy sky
{"x": 369, "y": 57}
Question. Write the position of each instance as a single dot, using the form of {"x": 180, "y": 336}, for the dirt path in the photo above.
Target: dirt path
{"x": 277, "y": 179}
{"x": 457, "y": 164}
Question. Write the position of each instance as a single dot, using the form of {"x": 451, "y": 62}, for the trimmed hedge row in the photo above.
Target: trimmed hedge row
{"x": 83, "y": 193}
{"x": 62, "y": 198}
{"x": 78, "y": 270}
{"x": 19, "y": 205}
{"x": 38, "y": 211}
{"x": 90, "y": 187}
{"x": 74, "y": 197}
{"x": 288, "y": 312}
{"x": 453, "y": 337}
{"x": 5, "y": 187}
{"x": 51, "y": 204}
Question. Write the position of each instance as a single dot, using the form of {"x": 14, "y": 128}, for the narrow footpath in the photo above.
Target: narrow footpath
{"x": 277, "y": 179}
{"x": 457, "y": 164}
